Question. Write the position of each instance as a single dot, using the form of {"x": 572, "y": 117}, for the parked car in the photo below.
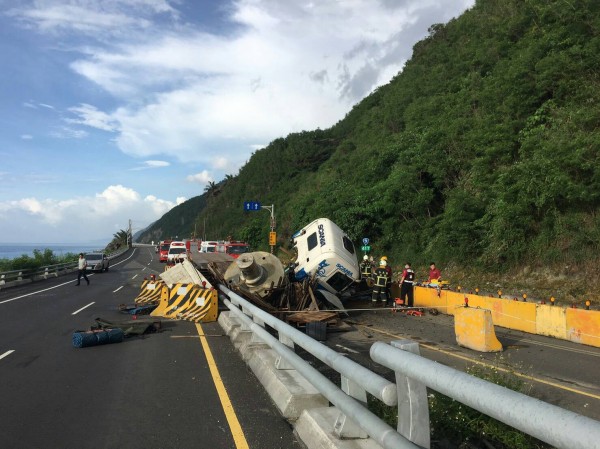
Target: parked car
{"x": 97, "y": 262}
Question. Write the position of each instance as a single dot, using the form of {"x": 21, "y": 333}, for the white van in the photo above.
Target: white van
{"x": 325, "y": 250}
{"x": 177, "y": 252}
{"x": 208, "y": 246}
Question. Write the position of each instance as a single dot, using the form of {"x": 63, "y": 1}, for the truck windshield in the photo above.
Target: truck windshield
{"x": 339, "y": 282}
{"x": 177, "y": 250}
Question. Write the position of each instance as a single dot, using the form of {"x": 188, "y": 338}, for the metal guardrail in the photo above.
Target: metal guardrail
{"x": 356, "y": 420}
{"x": 17, "y": 276}
{"x": 548, "y": 423}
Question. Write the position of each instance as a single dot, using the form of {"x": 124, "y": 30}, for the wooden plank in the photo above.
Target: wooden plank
{"x": 309, "y": 316}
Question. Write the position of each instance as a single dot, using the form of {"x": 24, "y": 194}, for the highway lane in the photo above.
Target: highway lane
{"x": 159, "y": 391}
{"x": 559, "y": 372}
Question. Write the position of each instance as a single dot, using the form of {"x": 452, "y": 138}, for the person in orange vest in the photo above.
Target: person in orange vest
{"x": 407, "y": 285}
{"x": 380, "y": 280}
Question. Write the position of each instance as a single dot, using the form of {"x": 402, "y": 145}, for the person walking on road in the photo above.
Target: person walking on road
{"x": 81, "y": 267}
{"x": 406, "y": 285}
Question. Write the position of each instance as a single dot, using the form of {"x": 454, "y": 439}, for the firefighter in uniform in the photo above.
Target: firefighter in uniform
{"x": 388, "y": 287}
{"x": 366, "y": 270}
{"x": 406, "y": 285}
{"x": 380, "y": 277}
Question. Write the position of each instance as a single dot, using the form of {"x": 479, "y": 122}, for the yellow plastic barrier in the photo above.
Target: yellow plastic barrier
{"x": 578, "y": 325}
{"x": 551, "y": 321}
{"x": 151, "y": 291}
{"x": 474, "y": 329}
{"x": 512, "y": 314}
{"x": 583, "y": 326}
{"x": 189, "y": 302}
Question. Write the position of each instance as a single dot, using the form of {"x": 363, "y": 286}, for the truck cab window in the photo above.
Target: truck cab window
{"x": 348, "y": 245}
{"x": 312, "y": 241}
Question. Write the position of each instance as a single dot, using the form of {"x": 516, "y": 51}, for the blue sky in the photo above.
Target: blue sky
{"x": 119, "y": 110}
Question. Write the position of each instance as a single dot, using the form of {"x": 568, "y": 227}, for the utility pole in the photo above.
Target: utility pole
{"x": 272, "y": 234}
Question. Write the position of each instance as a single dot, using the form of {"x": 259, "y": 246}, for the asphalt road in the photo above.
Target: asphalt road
{"x": 559, "y": 372}
{"x": 155, "y": 391}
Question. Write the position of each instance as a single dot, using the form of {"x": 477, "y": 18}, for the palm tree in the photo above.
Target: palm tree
{"x": 210, "y": 187}
{"x": 120, "y": 238}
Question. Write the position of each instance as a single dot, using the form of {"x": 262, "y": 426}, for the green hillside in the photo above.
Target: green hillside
{"x": 482, "y": 152}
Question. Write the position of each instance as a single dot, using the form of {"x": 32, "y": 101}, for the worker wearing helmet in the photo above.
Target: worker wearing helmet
{"x": 380, "y": 278}
{"x": 366, "y": 268}
{"x": 388, "y": 267}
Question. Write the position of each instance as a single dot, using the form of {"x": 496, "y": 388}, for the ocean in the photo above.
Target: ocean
{"x": 14, "y": 250}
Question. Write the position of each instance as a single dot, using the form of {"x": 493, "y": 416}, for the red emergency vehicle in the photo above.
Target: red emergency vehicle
{"x": 234, "y": 248}
{"x": 163, "y": 251}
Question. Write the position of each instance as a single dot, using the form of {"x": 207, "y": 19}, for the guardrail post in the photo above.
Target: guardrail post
{"x": 345, "y": 427}
{"x": 413, "y": 407}
{"x": 281, "y": 362}
{"x": 2, "y": 279}
{"x": 255, "y": 338}
{"x": 20, "y": 276}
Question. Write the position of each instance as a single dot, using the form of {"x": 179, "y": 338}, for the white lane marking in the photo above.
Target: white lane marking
{"x": 115, "y": 291}
{"x": 84, "y": 307}
{"x": 347, "y": 349}
{"x": 7, "y": 353}
{"x": 134, "y": 276}
{"x": 144, "y": 269}
{"x": 59, "y": 285}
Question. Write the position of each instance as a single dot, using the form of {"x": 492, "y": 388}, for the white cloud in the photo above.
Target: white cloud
{"x": 65, "y": 132}
{"x": 293, "y": 66}
{"x": 162, "y": 88}
{"x": 89, "y": 16}
{"x": 151, "y": 164}
{"x": 203, "y": 177}
{"x": 26, "y": 136}
{"x": 90, "y": 116}
{"x": 80, "y": 219}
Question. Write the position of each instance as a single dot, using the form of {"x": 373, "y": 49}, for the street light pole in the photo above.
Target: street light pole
{"x": 272, "y": 235}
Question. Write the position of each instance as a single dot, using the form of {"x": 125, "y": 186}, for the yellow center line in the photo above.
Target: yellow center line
{"x": 234, "y": 425}
{"x": 469, "y": 359}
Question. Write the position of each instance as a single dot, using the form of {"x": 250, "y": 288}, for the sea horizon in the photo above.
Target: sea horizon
{"x": 14, "y": 250}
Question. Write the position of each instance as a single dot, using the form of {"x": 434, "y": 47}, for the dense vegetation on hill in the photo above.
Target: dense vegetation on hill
{"x": 483, "y": 151}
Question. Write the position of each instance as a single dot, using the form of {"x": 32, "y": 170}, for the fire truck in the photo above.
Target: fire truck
{"x": 234, "y": 248}
{"x": 163, "y": 250}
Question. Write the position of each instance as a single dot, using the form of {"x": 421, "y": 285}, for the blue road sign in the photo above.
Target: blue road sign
{"x": 365, "y": 241}
{"x": 251, "y": 205}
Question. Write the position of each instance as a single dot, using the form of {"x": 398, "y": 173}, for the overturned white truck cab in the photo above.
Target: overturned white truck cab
{"x": 324, "y": 250}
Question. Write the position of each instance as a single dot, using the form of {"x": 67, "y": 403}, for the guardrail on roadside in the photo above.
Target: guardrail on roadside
{"x": 16, "y": 277}
{"x": 549, "y": 423}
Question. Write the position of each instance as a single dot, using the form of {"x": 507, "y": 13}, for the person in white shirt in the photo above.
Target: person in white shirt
{"x": 81, "y": 266}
